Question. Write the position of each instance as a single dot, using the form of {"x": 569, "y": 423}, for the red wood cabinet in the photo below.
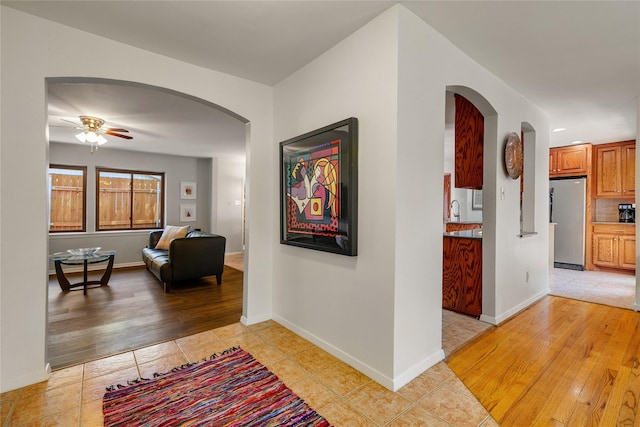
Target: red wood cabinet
{"x": 469, "y": 142}
{"x": 462, "y": 275}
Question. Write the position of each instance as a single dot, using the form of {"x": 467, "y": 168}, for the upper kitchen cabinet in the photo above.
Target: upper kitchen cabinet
{"x": 615, "y": 169}
{"x": 572, "y": 160}
{"x": 469, "y": 141}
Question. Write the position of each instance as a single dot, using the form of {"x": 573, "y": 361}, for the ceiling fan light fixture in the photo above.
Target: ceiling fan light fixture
{"x": 92, "y": 136}
{"x": 81, "y": 137}
{"x": 101, "y": 140}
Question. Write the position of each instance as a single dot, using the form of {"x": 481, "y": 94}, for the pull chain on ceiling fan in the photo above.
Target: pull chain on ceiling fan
{"x": 93, "y": 132}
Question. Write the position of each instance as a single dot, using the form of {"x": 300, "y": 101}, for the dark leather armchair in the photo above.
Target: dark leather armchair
{"x": 196, "y": 255}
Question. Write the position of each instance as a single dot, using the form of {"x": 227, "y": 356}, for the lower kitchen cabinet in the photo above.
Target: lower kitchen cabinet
{"x": 614, "y": 246}
{"x": 462, "y": 275}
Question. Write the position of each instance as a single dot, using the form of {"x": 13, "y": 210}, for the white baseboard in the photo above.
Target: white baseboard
{"x": 246, "y": 321}
{"x": 393, "y": 384}
{"x": 515, "y": 310}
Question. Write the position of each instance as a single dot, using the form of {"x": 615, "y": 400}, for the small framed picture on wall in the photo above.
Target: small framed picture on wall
{"x": 187, "y": 213}
{"x": 188, "y": 190}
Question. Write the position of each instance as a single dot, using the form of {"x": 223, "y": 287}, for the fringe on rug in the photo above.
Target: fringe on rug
{"x": 114, "y": 387}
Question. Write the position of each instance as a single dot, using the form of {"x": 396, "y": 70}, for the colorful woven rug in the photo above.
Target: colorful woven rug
{"x": 233, "y": 389}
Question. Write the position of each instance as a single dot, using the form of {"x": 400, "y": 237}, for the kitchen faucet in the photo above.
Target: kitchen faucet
{"x": 456, "y": 215}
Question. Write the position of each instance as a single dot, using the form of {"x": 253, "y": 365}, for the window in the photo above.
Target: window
{"x": 67, "y": 198}
{"x": 129, "y": 200}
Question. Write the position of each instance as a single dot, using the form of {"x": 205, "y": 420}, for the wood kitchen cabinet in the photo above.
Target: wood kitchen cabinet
{"x": 573, "y": 160}
{"x": 462, "y": 275}
{"x": 615, "y": 166}
{"x": 469, "y": 143}
{"x": 614, "y": 246}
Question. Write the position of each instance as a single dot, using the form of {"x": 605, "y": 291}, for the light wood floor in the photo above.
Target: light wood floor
{"x": 134, "y": 312}
{"x": 561, "y": 362}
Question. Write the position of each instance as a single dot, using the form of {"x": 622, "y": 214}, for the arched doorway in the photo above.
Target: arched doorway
{"x": 184, "y": 155}
{"x": 470, "y": 213}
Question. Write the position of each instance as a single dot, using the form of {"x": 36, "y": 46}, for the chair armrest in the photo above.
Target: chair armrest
{"x": 197, "y": 256}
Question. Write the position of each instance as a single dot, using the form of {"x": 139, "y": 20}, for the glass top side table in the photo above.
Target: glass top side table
{"x": 82, "y": 258}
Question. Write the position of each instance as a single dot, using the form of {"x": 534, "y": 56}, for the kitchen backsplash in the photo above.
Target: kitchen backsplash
{"x": 606, "y": 210}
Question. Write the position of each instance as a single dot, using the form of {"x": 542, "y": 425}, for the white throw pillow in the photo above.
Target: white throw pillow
{"x": 171, "y": 232}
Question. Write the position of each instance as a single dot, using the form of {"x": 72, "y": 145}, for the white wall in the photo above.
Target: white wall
{"x": 347, "y": 302}
{"x": 230, "y": 187}
{"x": 33, "y": 49}
{"x": 381, "y": 311}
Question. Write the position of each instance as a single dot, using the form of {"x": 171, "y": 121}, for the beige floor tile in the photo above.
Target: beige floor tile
{"x": 454, "y": 403}
{"x": 91, "y": 414}
{"x": 490, "y": 422}
{"x": 200, "y": 346}
{"x": 65, "y": 418}
{"x": 342, "y": 378}
{"x": 339, "y": 414}
{"x": 161, "y": 365}
{"x": 35, "y": 404}
{"x": 312, "y": 391}
{"x": 441, "y": 371}
{"x": 314, "y": 359}
{"x": 95, "y": 388}
{"x": 422, "y": 385}
{"x": 288, "y": 371}
{"x": 267, "y": 354}
{"x": 227, "y": 332}
{"x": 418, "y": 417}
{"x": 293, "y": 345}
{"x": 66, "y": 376}
{"x": 147, "y": 354}
{"x": 275, "y": 333}
{"x": 262, "y": 325}
{"x": 107, "y": 365}
{"x": 245, "y": 341}
{"x": 380, "y": 404}
{"x": 7, "y": 400}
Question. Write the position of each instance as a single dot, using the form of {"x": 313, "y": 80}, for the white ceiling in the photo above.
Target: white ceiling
{"x": 579, "y": 61}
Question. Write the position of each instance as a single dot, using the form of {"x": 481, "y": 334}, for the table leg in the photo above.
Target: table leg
{"x": 65, "y": 285}
{"x": 107, "y": 272}
{"x": 84, "y": 282}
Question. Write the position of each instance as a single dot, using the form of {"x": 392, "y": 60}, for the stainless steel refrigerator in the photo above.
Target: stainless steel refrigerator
{"x": 567, "y": 209}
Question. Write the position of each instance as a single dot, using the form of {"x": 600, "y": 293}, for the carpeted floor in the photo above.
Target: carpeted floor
{"x": 617, "y": 290}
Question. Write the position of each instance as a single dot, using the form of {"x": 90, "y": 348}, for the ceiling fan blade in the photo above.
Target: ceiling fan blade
{"x": 115, "y": 130}
{"x": 108, "y": 132}
{"x": 72, "y": 122}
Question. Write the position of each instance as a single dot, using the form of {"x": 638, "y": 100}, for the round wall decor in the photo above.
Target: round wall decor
{"x": 513, "y": 155}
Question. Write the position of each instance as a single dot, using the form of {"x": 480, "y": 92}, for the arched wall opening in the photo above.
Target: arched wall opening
{"x": 215, "y": 175}
{"x": 490, "y": 166}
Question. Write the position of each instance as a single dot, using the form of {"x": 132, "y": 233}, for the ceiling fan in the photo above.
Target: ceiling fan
{"x": 92, "y": 131}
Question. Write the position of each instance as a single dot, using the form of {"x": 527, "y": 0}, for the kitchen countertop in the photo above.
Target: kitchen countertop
{"x": 613, "y": 222}
{"x": 464, "y": 234}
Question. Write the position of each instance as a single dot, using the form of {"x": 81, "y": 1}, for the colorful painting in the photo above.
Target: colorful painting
{"x": 319, "y": 188}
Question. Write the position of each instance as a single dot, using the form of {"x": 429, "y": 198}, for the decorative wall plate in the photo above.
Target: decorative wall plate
{"x": 513, "y": 155}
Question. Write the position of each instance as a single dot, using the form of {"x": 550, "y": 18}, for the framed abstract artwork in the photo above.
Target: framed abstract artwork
{"x": 319, "y": 189}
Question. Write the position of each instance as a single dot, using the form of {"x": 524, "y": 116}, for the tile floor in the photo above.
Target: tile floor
{"x": 458, "y": 329}
{"x": 617, "y": 290}
{"x": 346, "y": 397}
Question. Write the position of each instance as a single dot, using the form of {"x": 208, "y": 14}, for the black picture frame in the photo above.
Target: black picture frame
{"x": 319, "y": 189}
